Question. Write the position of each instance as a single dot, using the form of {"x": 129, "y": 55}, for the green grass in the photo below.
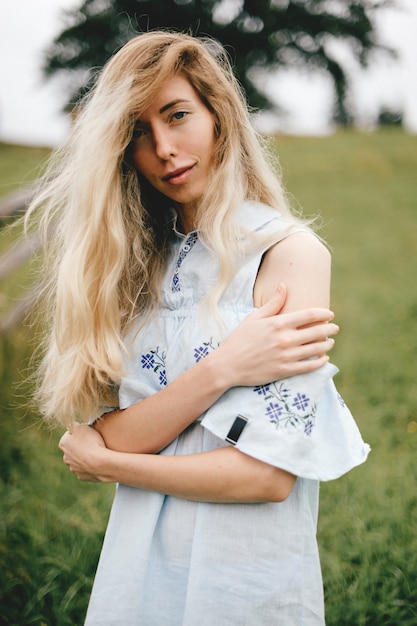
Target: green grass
{"x": 51, "y": 526}
{"x": 19, "y": 166}
{"x": 363, "y": 186}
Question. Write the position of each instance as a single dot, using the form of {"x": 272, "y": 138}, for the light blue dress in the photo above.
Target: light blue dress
{"x": 168, "y": 561}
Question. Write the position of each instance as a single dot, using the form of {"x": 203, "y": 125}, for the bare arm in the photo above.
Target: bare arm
{"x": 264, "y": 347}
{"x": 303, "y": 263}
{"x": 222, "y": 475}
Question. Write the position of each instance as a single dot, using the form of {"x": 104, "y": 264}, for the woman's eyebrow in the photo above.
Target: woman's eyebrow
{"x": 172, "y": 104}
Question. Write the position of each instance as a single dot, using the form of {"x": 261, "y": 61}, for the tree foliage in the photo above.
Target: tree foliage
{"x": 260, "y": 35}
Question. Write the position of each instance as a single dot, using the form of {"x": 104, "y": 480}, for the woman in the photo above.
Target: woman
{"x": 175, "y": 243}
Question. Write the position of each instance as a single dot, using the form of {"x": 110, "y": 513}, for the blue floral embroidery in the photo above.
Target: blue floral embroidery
{"x": 189, "y": 243}
{"x": 203, "y": 349}
{"x": 148, "y": 361}
{"x": 155, "y": 360}
{"x": 308, "y": 427}
{"x": 301, "y": 401}
{"x": 262, "y": 390}
{"x": 163, "y": 378}
{"x": 274, "y": 411}
{"x": 286, "y": 408}
{"x": 341, "y": 401}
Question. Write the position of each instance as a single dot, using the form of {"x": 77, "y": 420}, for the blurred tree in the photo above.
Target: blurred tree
{"x": 390, "y": 117}
{"x": 260, "y": 35}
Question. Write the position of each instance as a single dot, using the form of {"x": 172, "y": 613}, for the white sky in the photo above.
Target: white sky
{"x": 30, "y": 108}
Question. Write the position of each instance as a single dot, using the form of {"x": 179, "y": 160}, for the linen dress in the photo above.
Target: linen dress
{"x": 172, "y": 562}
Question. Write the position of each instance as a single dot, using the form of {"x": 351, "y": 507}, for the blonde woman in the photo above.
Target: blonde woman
{"x": 181, "y": 286}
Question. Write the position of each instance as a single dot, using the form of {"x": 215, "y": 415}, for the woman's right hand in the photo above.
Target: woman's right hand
{"x": 267, "y": 346}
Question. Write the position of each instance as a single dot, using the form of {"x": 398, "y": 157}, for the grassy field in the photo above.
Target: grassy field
{"x": 363, "y": 187}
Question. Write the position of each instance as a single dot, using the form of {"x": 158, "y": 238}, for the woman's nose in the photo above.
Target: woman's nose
{"x": 164, "y": 144}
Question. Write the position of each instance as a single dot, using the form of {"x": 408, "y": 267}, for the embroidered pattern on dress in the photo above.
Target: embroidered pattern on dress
{"x": 155, "y": 360}
{"x": 189, "y": 243}
{"x": 203, "y": 349}
{"x": 340, "y": 399}
{"x": 286, "y": 408}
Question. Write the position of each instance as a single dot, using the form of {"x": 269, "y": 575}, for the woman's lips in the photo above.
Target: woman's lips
{"x": 179, "y": 176}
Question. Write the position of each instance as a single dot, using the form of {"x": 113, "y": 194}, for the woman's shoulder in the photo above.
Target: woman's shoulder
{"x": 301, "y": 246}
{"x": 303, "y": 263}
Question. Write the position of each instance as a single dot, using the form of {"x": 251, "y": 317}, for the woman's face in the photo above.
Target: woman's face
{"x": 173, "y": 145}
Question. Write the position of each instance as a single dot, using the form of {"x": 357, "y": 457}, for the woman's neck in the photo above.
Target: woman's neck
{"x": 186, "y": 218}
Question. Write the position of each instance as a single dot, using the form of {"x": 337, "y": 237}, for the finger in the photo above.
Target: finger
{"x": 312, "y": 351}
{"x": 309, "y": 365}
{"x": 306, "y": 317}
{"x": 319, "y": 349}
{"x": 63, "y": 441}
{"x": 274, "y": 304}
{"x": 317, "y": 333}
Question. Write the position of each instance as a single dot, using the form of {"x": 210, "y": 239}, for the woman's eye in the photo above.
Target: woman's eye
{"x": 138, "y": 132}
{"x": 179, "y": 115}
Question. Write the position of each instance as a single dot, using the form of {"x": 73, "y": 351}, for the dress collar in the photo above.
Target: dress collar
{"x": 174, "y": 224}
{"x": 251, "y": 215}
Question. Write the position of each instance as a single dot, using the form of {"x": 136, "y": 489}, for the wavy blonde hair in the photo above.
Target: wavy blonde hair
{"x": 107, "y": 231}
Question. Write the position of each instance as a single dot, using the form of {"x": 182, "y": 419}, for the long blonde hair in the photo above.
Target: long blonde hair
{"x": 107, "y": 231}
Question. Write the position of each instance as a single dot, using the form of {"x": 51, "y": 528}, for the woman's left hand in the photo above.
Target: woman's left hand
{"x": 83, "y": 449}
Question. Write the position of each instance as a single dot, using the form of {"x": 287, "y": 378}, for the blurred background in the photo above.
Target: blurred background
{"x": 334, "y": 85}
{"x": 31, "y": 108}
